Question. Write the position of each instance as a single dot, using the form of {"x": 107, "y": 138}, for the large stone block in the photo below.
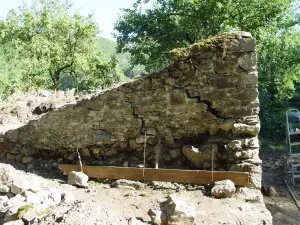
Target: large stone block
{"x": 200, "y": 154}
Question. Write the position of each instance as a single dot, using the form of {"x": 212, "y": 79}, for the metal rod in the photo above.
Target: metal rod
{"x": 292, "y": 194}
{"x": 79, "y": 158}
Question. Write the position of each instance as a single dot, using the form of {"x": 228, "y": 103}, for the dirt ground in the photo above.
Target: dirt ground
{"x": 282, "y": 206}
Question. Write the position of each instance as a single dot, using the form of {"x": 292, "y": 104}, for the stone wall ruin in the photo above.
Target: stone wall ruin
{"x": 203, "y": 106}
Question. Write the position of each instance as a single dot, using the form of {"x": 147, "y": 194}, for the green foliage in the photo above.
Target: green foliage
{"x": 279, "y": 70}
{"x": 149, "y": 34}
{"x": 279, "y": 78}
{"x": 46, "y": 41}
{"x": 123, "y": 59}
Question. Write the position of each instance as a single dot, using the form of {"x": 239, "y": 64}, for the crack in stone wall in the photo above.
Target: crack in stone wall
{"x": 205, "y": 103}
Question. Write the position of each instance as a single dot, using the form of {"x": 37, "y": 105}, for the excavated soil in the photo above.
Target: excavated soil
{"x": 280, "y": 204}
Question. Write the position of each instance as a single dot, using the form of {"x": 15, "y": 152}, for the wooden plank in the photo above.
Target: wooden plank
{"x": 151, "y": 174}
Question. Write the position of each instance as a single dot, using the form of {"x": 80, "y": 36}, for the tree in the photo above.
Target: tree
{"x": 123, "y": 59}
{"x": 149, "y": 34}
{"x": 48, "y": 40}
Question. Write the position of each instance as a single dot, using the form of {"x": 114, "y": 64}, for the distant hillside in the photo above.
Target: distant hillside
{"x": 109, "y": 48}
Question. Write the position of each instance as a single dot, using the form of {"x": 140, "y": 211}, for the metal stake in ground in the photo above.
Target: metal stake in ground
{"x": 79, "y": 158}
{"x": 157, "y": 150}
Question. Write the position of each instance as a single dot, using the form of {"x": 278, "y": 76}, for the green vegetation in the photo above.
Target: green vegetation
{"x": 23, "y": 209}
{"x": 46, "y": 211}
{"x": 110, "y": 48}
{"x": 45, "y": 43}
{"x": 150, "y": 34}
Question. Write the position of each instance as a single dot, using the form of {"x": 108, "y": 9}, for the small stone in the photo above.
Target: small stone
{"x": 28, "y": 151}
{"x": 18, "y": 187}
{"x": 7, "y": 174}
{"x": 12, "y": 212}
{"x": 245, "y": 207}
{"x": 151, "y": 131}
{"x": 133, "y": 144}
{"x": 178, "y": 211}
{"x": 30, "y": 214}
{"x": 223, "y": 189}
{"x": 170, "y": 81}
{"x": 227, "y": 125}
{"x": 155, "y": 216}
{"x": 4, "y": 188}
{"x": 3, "y": 204}
{"x": 15, "y": 201}
{"x": 27, "y": 159}
{"x": 244, "y": 129}
{"x": 169, "y": 140}
{"x": 19, "y": 158}
{"x": 141, "y": 139}
{"x": 128, "y": 183}
{"x": 78, "y": 178}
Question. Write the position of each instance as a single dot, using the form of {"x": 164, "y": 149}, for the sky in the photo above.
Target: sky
{"x": 105, "y": 11}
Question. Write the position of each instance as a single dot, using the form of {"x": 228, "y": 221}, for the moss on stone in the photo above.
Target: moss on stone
{"x": 46, "y": 211}
{"x": 181, "y": 54}
{"x": 24, "y": 209}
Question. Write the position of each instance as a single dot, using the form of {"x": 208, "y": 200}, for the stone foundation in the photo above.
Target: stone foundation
{"x": 204, "y": 106}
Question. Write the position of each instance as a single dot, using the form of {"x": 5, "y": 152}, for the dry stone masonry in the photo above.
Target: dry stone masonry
{"x": 204, "y": 106}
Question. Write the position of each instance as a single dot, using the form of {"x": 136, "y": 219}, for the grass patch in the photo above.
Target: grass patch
{"x": 277, "y": 146}
{"x": 270, "y": 144}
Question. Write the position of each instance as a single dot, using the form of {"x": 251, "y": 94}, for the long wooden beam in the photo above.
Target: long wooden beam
{"x": 150, "y": 174}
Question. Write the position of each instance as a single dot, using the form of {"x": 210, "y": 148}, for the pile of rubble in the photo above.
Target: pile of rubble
{"x": 23, "y": 201}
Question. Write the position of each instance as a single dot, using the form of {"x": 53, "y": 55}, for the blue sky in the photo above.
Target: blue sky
{"x": 105, "y": 11}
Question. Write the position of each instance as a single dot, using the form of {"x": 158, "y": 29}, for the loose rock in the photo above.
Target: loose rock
{"x": 4, "y": 188}
{"x": 223, "y": 189}
{"x": 128, "y": 183}
{"x": 178, "y": 211}
{"x": 78, "y": 178}
{"x": 19, "y": 186}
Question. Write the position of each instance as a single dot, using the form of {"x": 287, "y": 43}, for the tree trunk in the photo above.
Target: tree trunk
{"x": 56, "y": 80}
